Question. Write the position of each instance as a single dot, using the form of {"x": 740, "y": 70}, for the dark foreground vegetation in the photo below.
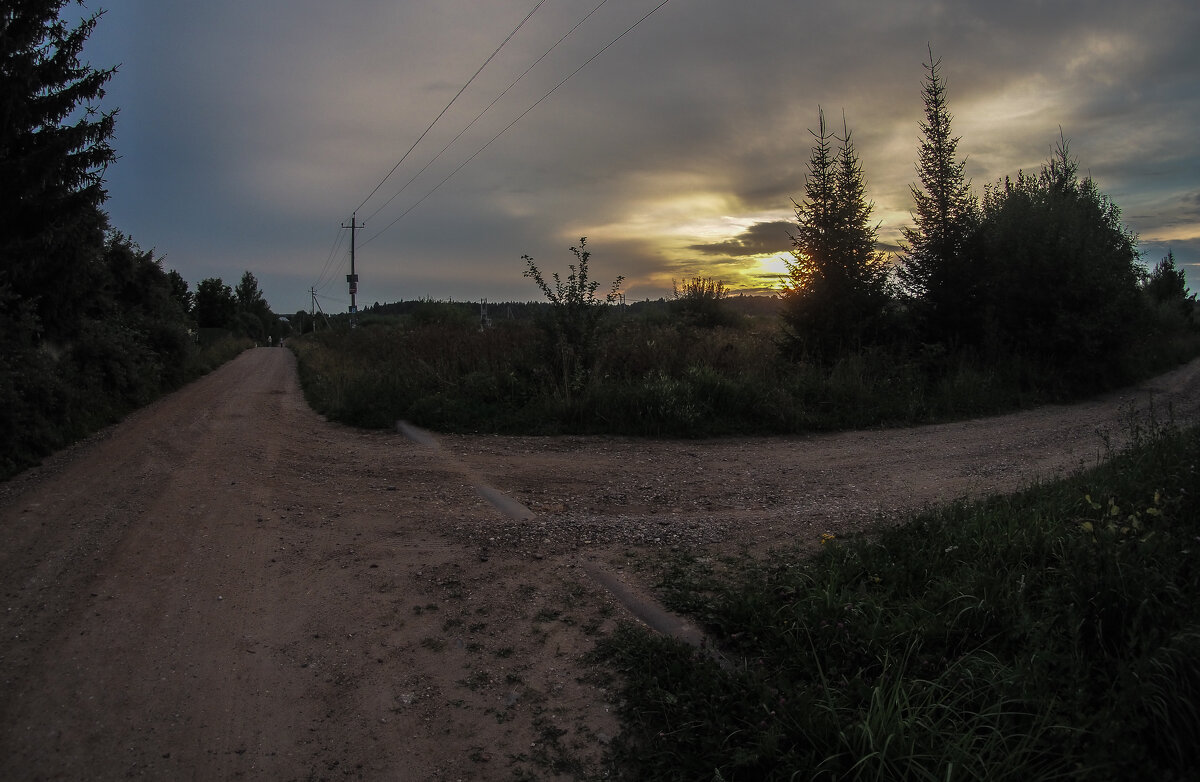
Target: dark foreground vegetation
{"x": 656, "y": 372}
{"x": 1052, "y": 634}
{"x": 91, "y": 325}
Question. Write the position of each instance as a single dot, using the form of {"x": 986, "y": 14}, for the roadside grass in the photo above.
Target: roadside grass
{"x": 663, "y": 376}
{"x": 1050, "y": 634}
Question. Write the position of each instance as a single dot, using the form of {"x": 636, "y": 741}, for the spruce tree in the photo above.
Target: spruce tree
{"x": 54, "y": 146}
{"x": 863, "y": 268}
{"x": 813, "y": 241}
{"x": 936, "y": 267}
{"x": 835, "y": 290}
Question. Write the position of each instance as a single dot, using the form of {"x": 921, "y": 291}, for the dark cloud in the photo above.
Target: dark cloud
{"x": 758, "y": 239}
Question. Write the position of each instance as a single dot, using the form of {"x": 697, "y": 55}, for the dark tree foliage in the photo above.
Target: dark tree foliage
{"x": 254, "y": 318}
{"x": 936, "y": 268}
{"x": 54, "y": 146}
{"x": 1060, "y": 272}
{"x": 836, "y": 287}
{"x": 180, "y": 292}
{"x": 249, "y": 297}
{"x": 1167, "y": 283}
{"x": 133, "y": 341}
{"x": 125, "y": 343}
{"x": 215, "y": 304}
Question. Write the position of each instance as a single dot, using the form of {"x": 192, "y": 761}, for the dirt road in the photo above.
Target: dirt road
{"x": 226, "y": 586}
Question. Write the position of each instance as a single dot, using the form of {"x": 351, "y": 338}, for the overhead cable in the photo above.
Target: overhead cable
{"x": 447, "y": 178}
{"x": 451, "y": 103}
{"x": 322, "y": 280}
{"x": 471, "y": 124}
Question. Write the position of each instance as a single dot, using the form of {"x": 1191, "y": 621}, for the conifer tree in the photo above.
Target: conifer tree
{"x": 936, "y": 267}
{"x": 835, "y": 290}
{"x": 862, "y": 267}
{"x": 54, "y": 146}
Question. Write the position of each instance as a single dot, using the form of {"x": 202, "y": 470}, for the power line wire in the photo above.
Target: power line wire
{"x": 337, "y": 243}
{"x": 487, "y": 108}
{"x": 509, "y": 125}
{"x": 451, "y": 103}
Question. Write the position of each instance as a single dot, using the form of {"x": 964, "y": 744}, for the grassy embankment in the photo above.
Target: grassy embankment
{"x": 1052, "y": 634}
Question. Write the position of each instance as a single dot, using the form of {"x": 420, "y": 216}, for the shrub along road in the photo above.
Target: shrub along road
{"x": 225, "y": 585}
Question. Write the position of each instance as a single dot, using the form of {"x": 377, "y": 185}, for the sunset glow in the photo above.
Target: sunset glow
{"x": 244, "y": 142}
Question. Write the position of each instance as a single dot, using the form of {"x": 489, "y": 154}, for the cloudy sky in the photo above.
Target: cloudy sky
{"x": 250, "y": 130}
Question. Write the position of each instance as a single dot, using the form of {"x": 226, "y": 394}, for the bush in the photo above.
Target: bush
{"x": 575, "y": 314}
{"x": 700, "y": 302}
{"x": 1059, "y": 274}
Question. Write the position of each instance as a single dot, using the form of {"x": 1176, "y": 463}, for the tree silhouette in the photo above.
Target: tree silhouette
{"x": 215, "y": 305}
{"x": 835, "y": 291}
{"x": 936, "y": 268}
{"x": 1061, "y": 272}
{"x": 54, "y": 146}
{"x": 575, "y": 314}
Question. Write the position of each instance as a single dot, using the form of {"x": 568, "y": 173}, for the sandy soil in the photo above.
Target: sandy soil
{"x": 226, "y": 586}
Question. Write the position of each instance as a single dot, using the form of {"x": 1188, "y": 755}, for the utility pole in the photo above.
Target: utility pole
{"x": 352, "y": 278}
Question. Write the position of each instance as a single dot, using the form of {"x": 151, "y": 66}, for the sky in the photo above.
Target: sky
{"x": 249, "y": 132}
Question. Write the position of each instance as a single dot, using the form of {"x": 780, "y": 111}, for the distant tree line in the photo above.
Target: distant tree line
{"x": 91, "y": 325}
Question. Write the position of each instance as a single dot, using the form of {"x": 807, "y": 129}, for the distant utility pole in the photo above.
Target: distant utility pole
{"x": 316, "y": 307}
{"x": 352, "y": 278}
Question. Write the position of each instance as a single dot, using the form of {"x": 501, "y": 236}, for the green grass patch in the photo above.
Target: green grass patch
{"x": 1052, "y": 634}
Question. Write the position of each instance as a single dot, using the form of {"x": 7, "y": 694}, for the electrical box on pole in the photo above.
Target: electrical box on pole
{"x": 352, "y": 277}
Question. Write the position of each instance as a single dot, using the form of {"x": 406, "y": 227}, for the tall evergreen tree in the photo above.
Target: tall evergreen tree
{"x": 54, "y": 146}
{"x": 936, "y": 267}
{"x": 812, "y": 244}
{"x": 863, "y": 268}
{"x": 835, "y": 288}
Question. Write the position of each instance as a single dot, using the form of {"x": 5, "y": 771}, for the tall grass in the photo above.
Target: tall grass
{"x": 653, "y": 375}
{"x": 1051, "y": 634}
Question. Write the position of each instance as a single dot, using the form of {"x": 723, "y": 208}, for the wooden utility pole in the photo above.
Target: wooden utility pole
{"x": 352, "y": 278}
